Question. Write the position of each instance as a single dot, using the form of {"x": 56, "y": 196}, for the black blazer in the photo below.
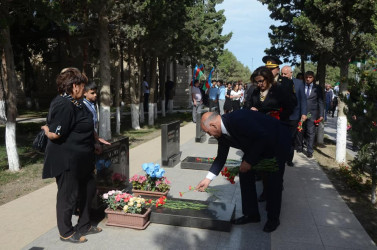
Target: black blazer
{"x": 315, "y": 102}
{"x": 257, "y": 135}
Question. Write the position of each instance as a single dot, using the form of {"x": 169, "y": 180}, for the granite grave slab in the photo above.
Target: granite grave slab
{"x": 170, "y": 144}
{"x": 204, "y": 163}
{"x": 217, "y": 216}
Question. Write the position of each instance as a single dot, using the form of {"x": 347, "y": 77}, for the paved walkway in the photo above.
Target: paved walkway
{"x": 313, "y": 214}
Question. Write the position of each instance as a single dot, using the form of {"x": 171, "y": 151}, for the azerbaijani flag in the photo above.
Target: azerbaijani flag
{"x": 199, "y": 72}
{"x": 194, "y": 75}
{"x": 209, "y": 80}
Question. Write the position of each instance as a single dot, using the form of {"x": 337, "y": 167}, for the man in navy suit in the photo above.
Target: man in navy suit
{"x": 299, "y": 112}
{"x": 259, "y": 137}
{"x": 314, "y": 96}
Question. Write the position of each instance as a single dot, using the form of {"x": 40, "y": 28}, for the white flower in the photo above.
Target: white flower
{"x": 125, "y": 208}
{"x": 105, "y": 196}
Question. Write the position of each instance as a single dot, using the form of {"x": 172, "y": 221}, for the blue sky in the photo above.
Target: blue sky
{"x": 249, "y": 21}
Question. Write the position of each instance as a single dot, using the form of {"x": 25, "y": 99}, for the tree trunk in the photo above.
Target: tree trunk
{"x": 134, "y": 79}
{"x": 117, "y": 94}
{"x": 162, "y": 80}
{"x": 11, "y": 101}
{"x": 3, "y": 114}
{"x": 105, "y": 75}
{"x": 374, "y": 186}
{"x": 341, "y": 131}
{"x": 302, "y": 64}
{"x": 152, "y": 89}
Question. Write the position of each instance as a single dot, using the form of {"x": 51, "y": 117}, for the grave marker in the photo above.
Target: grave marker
{"x": 200, "y": 134}
{"x": 170, "y": 144}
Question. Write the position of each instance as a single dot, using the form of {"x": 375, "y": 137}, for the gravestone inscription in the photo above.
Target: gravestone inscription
{"x": 205, "y": 163}
{"x": 170, "y": 144}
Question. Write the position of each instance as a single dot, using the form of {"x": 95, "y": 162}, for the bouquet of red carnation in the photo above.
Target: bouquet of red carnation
{"x": 275, "y": 113}
{"x": 230, "y": 173}
{"x": 299, "y": 127}
{"x": 265, "y": 165}
{"x": 316, "y": 122}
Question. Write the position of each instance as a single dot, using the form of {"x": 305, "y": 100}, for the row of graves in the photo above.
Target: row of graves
{"x": 114, "y": 186}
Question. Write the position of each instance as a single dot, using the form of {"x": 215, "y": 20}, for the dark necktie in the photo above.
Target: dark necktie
{"x": 308, "y": 91}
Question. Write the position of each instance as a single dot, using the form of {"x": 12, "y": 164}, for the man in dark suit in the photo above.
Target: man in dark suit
{"x": 259, "y": 137}
{"x": 299, "y": 113}
{"x": 314, "y": 96}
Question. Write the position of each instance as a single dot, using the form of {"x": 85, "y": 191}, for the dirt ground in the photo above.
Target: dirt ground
{"x": 358, "y": 202}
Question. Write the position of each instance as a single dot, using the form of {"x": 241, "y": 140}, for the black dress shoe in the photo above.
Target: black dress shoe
{"x": 309, "y": 155}
{"x": 299, "y": 150}
{"x": 246, "y": 219}
{"x": 271, "y": 226}
{"x": 74, "y": 238}
{"x": 290, "y": 164}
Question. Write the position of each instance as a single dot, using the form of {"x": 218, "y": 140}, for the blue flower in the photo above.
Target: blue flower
{"x": 108, "y": 163}
{"x": 160, "y": 173}
{"x": 156, "y": 167}
{"x": 145, "y": 167}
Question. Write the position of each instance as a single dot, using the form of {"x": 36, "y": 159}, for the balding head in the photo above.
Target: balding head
{"x": 286, "y": 71}
{"x": 211, "y": 124}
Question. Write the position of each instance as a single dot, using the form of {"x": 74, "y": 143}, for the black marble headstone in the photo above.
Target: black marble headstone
{"x": 204, "y": 163}
{"x": 170, "y": 144}
{"x": 217, "y": 216}
{"x": 200, "y": 134}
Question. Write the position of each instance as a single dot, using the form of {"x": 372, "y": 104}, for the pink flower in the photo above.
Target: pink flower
{"x": 118, "y": 197}
{"x": 167, "y": 181}
{"x": 158, "y": 182}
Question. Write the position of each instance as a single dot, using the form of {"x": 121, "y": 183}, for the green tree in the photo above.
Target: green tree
{"x": 362, "y": 115}
{"x": 230, "y": 69}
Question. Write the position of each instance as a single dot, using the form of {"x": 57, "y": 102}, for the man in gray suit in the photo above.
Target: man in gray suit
{"x": 314, "y": 96}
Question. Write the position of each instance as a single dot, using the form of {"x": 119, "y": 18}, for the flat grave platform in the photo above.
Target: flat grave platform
{"x": 204, "y": 163}
{"x": 217, "y": 216}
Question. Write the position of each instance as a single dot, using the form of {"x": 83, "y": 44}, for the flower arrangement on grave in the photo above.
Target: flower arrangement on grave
{"x": 153, "y": 180}
{"x": 118, "y": 200}
{"x": 191, "y": 189}
{"x": 177, "y": 204}
{"x": 264, "y": 165}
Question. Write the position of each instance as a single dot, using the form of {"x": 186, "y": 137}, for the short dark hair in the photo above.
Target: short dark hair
{"x": 309, "y": 73}
{"x": 67, "y": 78}
{"x": 90, "y": 86}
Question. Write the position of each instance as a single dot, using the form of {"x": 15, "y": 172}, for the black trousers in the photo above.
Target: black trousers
{"x": 273, "y": 193}
{"x": 72, "y": 188}
{"x": 146, "y": 101}
{"x": 293, "y": 129}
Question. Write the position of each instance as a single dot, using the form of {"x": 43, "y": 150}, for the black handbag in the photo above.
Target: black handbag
{"x": 40, "y": 141}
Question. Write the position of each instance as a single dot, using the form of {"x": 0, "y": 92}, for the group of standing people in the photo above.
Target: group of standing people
{"x": 266, "y": 127}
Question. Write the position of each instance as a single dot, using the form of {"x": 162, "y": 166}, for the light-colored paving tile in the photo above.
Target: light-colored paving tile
{"x": 284, "y": 245}
{"x": 345, "y": 237}
{"x": 328, "y": 204}
{"x": 297, "y": 234}
{"x": 342, "y": 220}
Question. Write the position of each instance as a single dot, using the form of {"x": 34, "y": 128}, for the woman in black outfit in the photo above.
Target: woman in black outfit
{"x": 266, "y": 99}
{"x": 228, "y": 101}
{"x": 69, "y": 155}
